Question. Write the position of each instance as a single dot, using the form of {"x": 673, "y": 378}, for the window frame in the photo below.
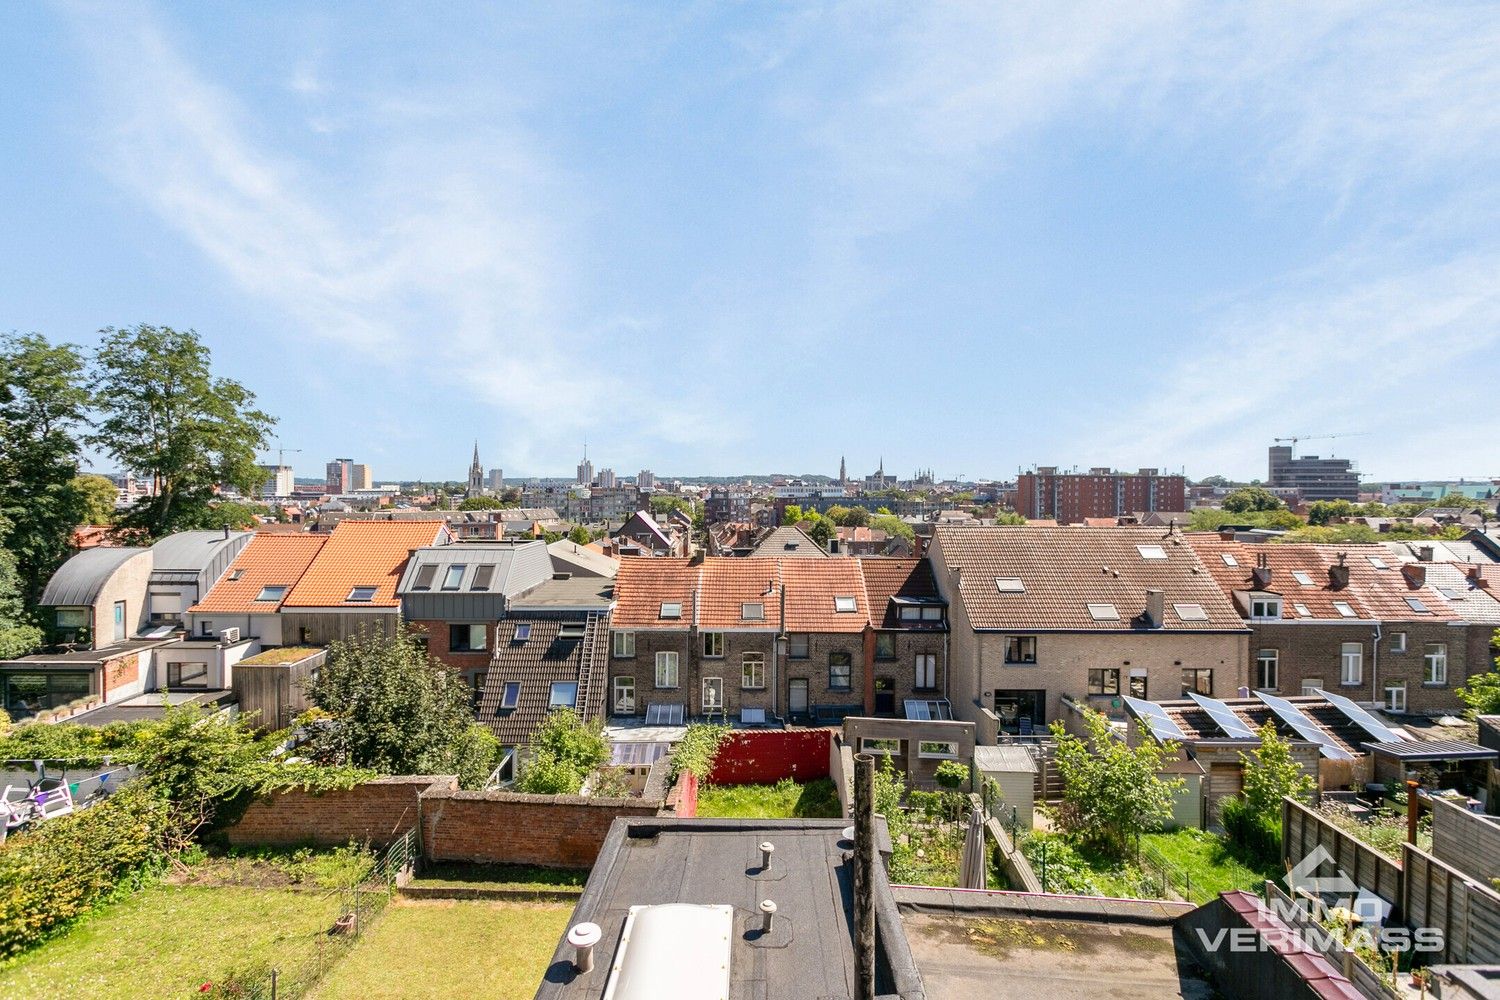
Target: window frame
{"x": 623, "y": 684}
{"x": 848, "y": 671}
{"x": 749, "y": 613}
{"x": 671, "y": 661}
{"x": 1399, "y": 641}
{"x": 749, "y": 659}
{"x": 622, "y": 645}
{"x": 713, "y": 645}
{"x": 880, "y": 745}
{"x": 466, "y": 629}
{"x": 888, "y": 640}
{"x": 510, "y": 695}
{"x": 280, "y": 589}
{"x": 1197, "y": 674}
{"x": 199, "y": 678}
{"x": 1434, "y": 664}
{"x": 929, "y": 674}
{"x": 926, "y": 749}
{"x": 1101, "y": 689}
{"x": 805, "y": 639}
{"x": 452, "y": 582}
{"x": 351, "y": 599}
{"x": 1351, "y": 653}
{"x": 674, "y": 615}
{"x": 716, "y": 683}
{"x": 1021, "y": 659}
{"x": 1262, "y": 657}
{"x": 553, "y": 704}
{"x": 845, "y": 604}
{"x": 1269, "y": 605}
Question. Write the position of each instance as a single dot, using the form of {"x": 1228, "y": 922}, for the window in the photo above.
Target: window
{"x": 1228, "y": 560}
{"x": 937, "y": 748}
{"x": 466, "y": 639}
{"x": 1415, "y": 603}
{"x": 424, "y": 578}
{"x": 839, "y": 670}
{"x": 523, "y": 631}
{"x": 453, "y": 576}
{"x": 564, "y": 695}
{"x": 1435, "y": 663}
{"x": 753, "y": 612}
{"x": 624, "y": 645}
{"x": 1103, "y": 613}
{"x": 1138, "y": 686}
{"x": 1351, "y": 663}
{"x": 1377, "y": 562}
{"x": 360, "y": 595}
{"x": 1104, "y": 680}
{"x": 624, "y": 696}
{"x": 753, "y": 671}
{"x": 1151, "y": 551}
{"x": 570, "y": 631}
{"x": 1395, "y": 698}
{"x": 868, "y": 745}
{"x": 1265, "y": 669}
{"x": 236, "y": 574}
{"x": 1398, "y": 642}
{"x": 1302, "y": 609}
{"x": 271, "y": 594}
{"x": 482, "y": 577}
{"x": 510, "y": 694}
{"x": 1263, "y": 606}
{"x": 845, "y": 605}
{"x": 666, "y": 669}
{"x": 72, "y": 618}
{"x": 926, "y": 679}
{"x": 713, "y": 694}
{"x": 932, "y": 613}
{"x": 670, "y": 609}
{"x": 1199, "y": 679}
{"x": 1190, "y": 612}
{"x": 1302, "y": 578}
{"x": 119, "y": 621}
{"x": 911, "y": 613}
{"x": 187, "y": 675}
{"x": 1010, "y": 585}
{"x": 797, "y": 647}
{"x": 206, "y": 627}
{"x": 713, "y": 644}
{"x": 1311, "y": 685}
{"x": 885, "y": 646}
{"x": 1020, "y": 649}
{"x": 1345, "y": 609}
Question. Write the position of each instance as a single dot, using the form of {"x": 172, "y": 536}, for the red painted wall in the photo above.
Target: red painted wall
{"x": 752, "y": 757}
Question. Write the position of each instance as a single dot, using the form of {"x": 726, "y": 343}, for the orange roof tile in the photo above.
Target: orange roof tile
{"x": 269, "y": 560}
{"x": 812, "y": 587}
{"x": 727, "y": 583}
{"x": 362, "y": 554}
{"x": 644, "y": 585}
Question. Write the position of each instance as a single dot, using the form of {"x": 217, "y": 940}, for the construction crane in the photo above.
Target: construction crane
{"x": 281, "y": 453}
{"x": 1317, "y": 437}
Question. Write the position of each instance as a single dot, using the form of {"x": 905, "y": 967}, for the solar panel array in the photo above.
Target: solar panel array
{"x": 1379, "y": 730}
{"x": 1223, "y": 717}
{"x": 1156, "y": 718}
{"x": 1304, "y": 727}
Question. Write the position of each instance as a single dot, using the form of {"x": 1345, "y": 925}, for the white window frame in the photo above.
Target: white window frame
{"x": 553, "y": 703}
{"x": 926, "y": 672}
{"x": 671, "y": 610}
{"x": 1345, "y": 609}
{"x": 870, "y": 744}
{"x": 1351, "y": 664}
{"x": 753, "y": 611}
{"x": 845, "y": 604}
{"x": 713, "y": 645}
{"x": 929, "y": 749}
{"x": 1390, "y": 702}
{"x": 667, "y": 667}
{"x": 1265, "y": 658}
{"x": 622, "y": 645}
{"x": 715, "y": 684}
{"x": 753, "y": 671}
{"x": 1310, "y": 685}
{"x": 1435, "y": 663}
{"x": 623, "y": 696}
{"x": 1265, "y": 607}
{"x": 1398, "y": 642}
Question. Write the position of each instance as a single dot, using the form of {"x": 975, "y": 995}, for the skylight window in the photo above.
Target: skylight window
{"x": 1415, "y": 603}
{"x": 1302, "y": 609}
{"x": 236, "y": 574}
{"x": 1191, "y": 612}
{"x": 1151, "y": 551}
{"x": 670, "y": 609}
{"x": 570, "y": 632}
{"x": 1104, "y": 612}
{"x": 482, "y": 577}
{"x": 523, "y": 631}
{"x": 425, "y": 575}
{"x": 511, "y": 695}
{"x": 564, "y": 695}
{"x": 1228, "y": 559}
{"x": 1377, "y": 562}
{"x": 753, "y": 612}
{"x": 361, "y": 594}
{"x": 1344, "y": 609}
{"x": 1010, "y": 585}
{"x": 844, "y": 605}
{"x": 1302, "y": 578}
{"x": 271, "y": 594}
{"x": 454, "y": 576}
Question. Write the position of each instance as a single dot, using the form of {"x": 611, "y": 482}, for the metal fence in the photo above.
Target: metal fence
{"x": 352, "y": 910}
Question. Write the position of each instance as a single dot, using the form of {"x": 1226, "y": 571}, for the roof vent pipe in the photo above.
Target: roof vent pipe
{"x": 767, "y": 914}
{"x": 583, "y": 937}
{"x": 766, "y": 850}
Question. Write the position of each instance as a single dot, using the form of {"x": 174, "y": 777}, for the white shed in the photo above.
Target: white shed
{"x": 1014, "y": 770}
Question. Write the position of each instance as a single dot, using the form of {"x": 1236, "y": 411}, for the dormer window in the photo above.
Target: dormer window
{"x": 1265, "y": 607}
{"x": 755, "y": 612}
{"x": 361, "y": 595}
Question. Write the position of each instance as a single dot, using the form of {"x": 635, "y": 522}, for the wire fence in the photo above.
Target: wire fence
{"x": 352, "y": 910}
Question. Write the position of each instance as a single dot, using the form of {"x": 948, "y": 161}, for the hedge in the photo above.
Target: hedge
{"x": 1259, "y": 835}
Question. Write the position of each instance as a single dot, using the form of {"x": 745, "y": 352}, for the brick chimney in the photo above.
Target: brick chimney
{"x": 1156, "y": 607}
{"x": 1338, "y": 573}
{"x": 1415, "y": 573}
{"x": 1261, "y": 574}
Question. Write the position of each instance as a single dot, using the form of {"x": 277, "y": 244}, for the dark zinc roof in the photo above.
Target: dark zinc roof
{"x": 1425, "y": 750}
{"x": 542, "y": 658}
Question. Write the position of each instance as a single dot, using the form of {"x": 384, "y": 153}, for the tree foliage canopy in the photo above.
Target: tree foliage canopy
{"x": 1271, "y": 774}
{"x": 1248, "y": 498}
{"x": 1111, "y": 791}
{"x": 564, "y": 751}
{"x": 1482, "y": 691}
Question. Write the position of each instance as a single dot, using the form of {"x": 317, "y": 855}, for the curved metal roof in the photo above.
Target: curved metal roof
{"x": 79, "y": 580}
{"x": 193, "y": 550}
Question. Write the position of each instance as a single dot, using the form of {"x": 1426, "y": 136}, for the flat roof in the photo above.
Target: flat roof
{"x": 1424, "y": 750}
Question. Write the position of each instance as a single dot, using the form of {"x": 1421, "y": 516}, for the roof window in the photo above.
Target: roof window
{"x": 523, "y": 631}
{"x": 845, "y": 605}
{"x": 570, "y": 631}
{"x": 1377, "y": 562}
{"x": 361, "y": 594}
{"x": 1302, "y": 609}
{"x": 1415, "y": 603}
{"x": 564, "y": 695}
{"x": 670, "y": 609}
{"x": 1191, "y": 612}
{"x": 274, "y": 593}
{"x": 511, "y": 694}
{"x": 424, "y": 578}
{"x": 1345, "y": 609}
{"x": 1228, "y": 559}
{"x": 454, "y": 576}
{"x": 482, "y": 576}
{"x": 1104, "y": 612}
{"x": 1151, "y": 551}
{"x": 1010, "y": 585}
{"x": 1302, "y": 578}
{"x": 753, "y": 612}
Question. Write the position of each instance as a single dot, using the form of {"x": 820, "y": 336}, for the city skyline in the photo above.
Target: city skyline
{"x": 696, "y": 236}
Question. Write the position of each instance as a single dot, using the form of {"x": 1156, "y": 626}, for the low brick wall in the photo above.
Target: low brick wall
{"x": 762, "y": 757}
{"x": 376, "y": 812}
{"x": 682, "y": 800}
{"x": 560, "y": 831}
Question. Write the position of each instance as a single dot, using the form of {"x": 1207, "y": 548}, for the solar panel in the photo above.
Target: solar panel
{"x": 1223, "y": 717}
{"x": 1304, "y": 727}
{"x": 1361, "y": 718}
{"x": 1156, "y": 718}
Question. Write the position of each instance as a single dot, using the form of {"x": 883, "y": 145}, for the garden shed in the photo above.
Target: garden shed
{"x": 1014, "y": 770}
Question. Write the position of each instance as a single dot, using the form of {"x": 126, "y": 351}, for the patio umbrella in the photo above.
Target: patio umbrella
{"x": 972, "y": 872}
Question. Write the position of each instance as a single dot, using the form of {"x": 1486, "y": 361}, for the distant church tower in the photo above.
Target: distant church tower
{"x": 476, "y": 475}
{"x": 843, "y": 472}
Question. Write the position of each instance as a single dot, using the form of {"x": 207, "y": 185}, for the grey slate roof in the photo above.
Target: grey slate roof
{"x": 516, "y": 567}
{"x": 79, "y": 580}
{"x": 789, "y": 541}
{"x": 536, "y": 663}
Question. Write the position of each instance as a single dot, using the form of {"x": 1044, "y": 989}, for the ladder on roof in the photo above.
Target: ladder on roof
{"x": 586, "y": 667}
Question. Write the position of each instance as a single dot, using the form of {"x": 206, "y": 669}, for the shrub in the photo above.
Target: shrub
{"x": 1258, "y": 833}
{"x": 565, "y": 750}
{"x": 698, "y": 750}
{"x": 951, "y": 774}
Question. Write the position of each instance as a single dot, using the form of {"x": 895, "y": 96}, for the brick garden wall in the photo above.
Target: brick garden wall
{"x": 560, "y": 831}
{"x": 377, "y": 812}
{"x": 752, "y": 757}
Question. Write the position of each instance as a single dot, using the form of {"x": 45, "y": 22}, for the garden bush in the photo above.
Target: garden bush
{"x": 1257, "y": 833}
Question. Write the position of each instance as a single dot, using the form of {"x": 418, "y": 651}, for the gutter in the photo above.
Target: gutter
{"x": 1375, "y": 667}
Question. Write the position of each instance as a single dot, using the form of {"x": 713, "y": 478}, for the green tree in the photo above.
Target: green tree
{"x": 1111, "y": 791}
{"x": 481, "y": 503}
{"x": 163, "y": 414}
{"x": 1251, "y": 498}
{"x": 96, "y": 499}
{"x": 893, "y": 526}
{"x": 580, "y": 535}
{"x": 793, "y": 514}
{"x": 1323, "y": 511}
{"x": 234, "y": 514}
{"x": 18, "y": 635}
{"x": 1008, "y": 517}
{"x": 1271, "y": 774}
{"x": 392, "y": 708}
{"x": 564, "y": 751}
{"x": 42, "y": 401}
{"x": 1482, "y": 691}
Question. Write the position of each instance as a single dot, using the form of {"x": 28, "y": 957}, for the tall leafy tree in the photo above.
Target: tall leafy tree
{"x": 18, "y": 636}
{"x": 42, "y": 401}
{"x": 1111, "y": 790}
{"x": 163, "y": 414}
{"x": 96, "y": 499}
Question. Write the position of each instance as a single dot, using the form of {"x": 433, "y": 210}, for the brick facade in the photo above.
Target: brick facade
{"x": 438, "y": 641}
{"x": 376, "y": 812}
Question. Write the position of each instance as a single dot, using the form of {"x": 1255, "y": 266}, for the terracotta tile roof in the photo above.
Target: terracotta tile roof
{"x": 1378, "y": 588}
{"x": 1099, "y": 522}
{"x": 268, "y": 560}
{"x": 644, "y": 585}
{"x": 362, "y": 554}
{"x": 727, "y": 583}
{"x": 1051, "y": 576}
{"x": 813, "y": 590}
{"x": 888, "y": 578}
{"x": 536, "y": 663}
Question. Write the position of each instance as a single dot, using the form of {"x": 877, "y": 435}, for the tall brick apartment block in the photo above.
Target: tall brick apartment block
{"x": 1069, "y": 497}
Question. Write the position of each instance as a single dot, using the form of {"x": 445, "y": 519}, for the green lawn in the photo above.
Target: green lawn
{"x": 1200, "y": 865}
{"x": 166, "y": 941}
{"x": 784, "y": 800}
{"x": 464, "y": 875}
{"x": 1210, "y": 863}
{"x": 450, "y": 948}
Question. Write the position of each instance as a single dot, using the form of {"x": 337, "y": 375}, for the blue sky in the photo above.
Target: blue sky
{"x": 732, "y": 238}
